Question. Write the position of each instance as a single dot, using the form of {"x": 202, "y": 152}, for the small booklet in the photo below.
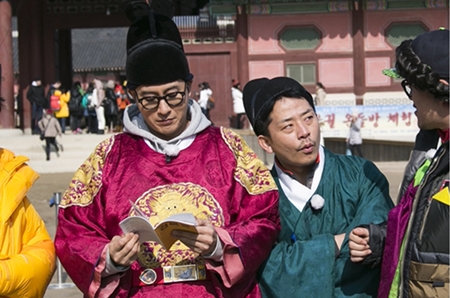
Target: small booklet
{"x": 161, "y": 232}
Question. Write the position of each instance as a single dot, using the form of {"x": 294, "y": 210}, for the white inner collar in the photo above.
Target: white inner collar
{"x": 297, "y": 193}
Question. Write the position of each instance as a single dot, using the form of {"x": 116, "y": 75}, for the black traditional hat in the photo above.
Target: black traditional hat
{"x": 259, "y": 93}
{"x": 155, "y": 52}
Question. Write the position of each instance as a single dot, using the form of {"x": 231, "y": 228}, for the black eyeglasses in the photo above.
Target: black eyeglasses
{"x": 172, "y": 99}
{"x": 406, "y": 88}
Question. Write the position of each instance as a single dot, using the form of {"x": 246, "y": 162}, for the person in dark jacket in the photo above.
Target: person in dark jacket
{"x": 89, "y": 110}
{"x": 413, "y": 246}
{"x": 75, "y": 108}
{"x": 36, "y": 97}
{"x": 110, "y": 105}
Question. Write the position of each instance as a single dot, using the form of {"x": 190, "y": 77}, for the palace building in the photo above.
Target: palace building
{"x": 342, "y": 44}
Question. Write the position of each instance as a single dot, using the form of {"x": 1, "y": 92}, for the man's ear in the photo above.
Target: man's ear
{"x": 188, "y": 88}
{"x": 264, "y": 142}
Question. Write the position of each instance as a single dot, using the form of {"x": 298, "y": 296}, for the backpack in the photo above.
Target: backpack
{"x": 85, "y": 100}
{"x": 110, "y": 107}
{"x": 75, "y": 105}
{"x": 54, "y": 103}
{"x": 211, "y": 103}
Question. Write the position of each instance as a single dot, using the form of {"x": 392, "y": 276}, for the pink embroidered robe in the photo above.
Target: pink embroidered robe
{"x": 218, "y": 177}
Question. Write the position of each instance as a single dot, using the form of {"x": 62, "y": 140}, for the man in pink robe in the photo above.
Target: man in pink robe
{"x": 169, "y": 160}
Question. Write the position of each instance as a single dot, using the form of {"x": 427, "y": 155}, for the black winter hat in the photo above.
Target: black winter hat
{"x": 155, "y": 54}
{"x": 259, "y": 92}
{"x": 432, "y": 48}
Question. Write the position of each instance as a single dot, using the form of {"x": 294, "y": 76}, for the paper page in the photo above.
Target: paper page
{"x": 182, "y": 221}
{"x": 186, "y": 218}
{"x": 140, "y": 226}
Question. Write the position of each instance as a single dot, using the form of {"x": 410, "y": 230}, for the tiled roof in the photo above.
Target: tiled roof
{"x": 99, "y": 49}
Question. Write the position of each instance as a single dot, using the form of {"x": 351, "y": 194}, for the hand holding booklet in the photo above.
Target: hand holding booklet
{"x": 162, "y": 231}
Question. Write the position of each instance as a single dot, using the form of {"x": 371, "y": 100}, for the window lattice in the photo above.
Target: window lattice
{"x": 400, "y": 32}
{"x": 300, "y": 39}
{"x": 303, "y": 73}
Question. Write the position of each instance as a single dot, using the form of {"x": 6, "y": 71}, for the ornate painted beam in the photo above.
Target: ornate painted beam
{"x": 218, "y": 7}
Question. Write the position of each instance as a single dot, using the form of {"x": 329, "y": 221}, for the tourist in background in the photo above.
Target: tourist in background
{"x": 319, "y": 100}
{"x": 98, "y": 95}
{"x": 354, "y": 139}
{"x": 89, "y": 110}
{"x": 320, "y": 94}
{"x": 122, "y": 102}
{"x": 75, "y": 108}
{"x": 110, "y": 106}
{"x": 63, "y": 113}
{"x": 53, "y": 87}
{"x": 36, "y": 97}
{"x": 204, "y": 97}
{"x": 51, "y": 128}
{"x": 238, "y": 104}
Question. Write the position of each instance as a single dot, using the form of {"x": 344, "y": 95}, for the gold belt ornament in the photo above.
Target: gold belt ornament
{"x": 170, "y": 274}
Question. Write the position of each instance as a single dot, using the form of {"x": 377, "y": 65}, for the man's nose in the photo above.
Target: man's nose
{"x": 302, "y": 130}
{"x": 163, "y": 107}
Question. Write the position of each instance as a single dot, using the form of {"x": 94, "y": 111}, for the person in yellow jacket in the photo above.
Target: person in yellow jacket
{"x": 63, "y": 112}
{"x": 27, "y": 253}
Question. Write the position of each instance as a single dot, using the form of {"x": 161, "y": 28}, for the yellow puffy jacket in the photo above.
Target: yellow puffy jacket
{"x": 27, "y": 254}
{"x": 63, "y": 102}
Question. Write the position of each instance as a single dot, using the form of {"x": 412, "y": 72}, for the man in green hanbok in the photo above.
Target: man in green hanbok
{"x": 323, "y": 196}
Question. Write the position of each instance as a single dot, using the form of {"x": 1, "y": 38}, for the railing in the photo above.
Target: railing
{"x": 206, "y": 29}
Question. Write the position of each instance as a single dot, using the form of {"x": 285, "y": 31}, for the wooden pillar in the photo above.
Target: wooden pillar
{"x": 31, "y": 66}
{"x": 6, "y": 66}
{"x": 359, "y": 75}
{"x": 63, "y": 61}
{"x": 242, "y": 43}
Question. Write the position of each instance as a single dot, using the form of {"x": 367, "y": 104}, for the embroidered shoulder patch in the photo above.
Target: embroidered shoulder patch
{"x": 250, "y": 171}
{"x": 87, "y": 180}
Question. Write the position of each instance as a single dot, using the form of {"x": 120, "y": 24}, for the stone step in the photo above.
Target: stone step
{"x": 77, "y": 147}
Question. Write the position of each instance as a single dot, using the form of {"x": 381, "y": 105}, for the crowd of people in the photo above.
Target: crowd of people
{"x": 96, "y": 109}
{"x": 317, "y": 224}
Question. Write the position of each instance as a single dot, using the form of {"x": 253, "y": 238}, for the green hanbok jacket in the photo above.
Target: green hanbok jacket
{"x": 303, "y": 263}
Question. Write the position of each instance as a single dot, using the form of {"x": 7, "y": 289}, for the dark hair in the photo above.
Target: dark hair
{"x": 235, "y": 84}
{"x": 409, "y": 66}
{"x": 262, "y": 122}
{"x": 76, "y": 86}
{"x": 320, "y": 85}
{"x": 90, "y": 88}
{"x": 2, "y": 100}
